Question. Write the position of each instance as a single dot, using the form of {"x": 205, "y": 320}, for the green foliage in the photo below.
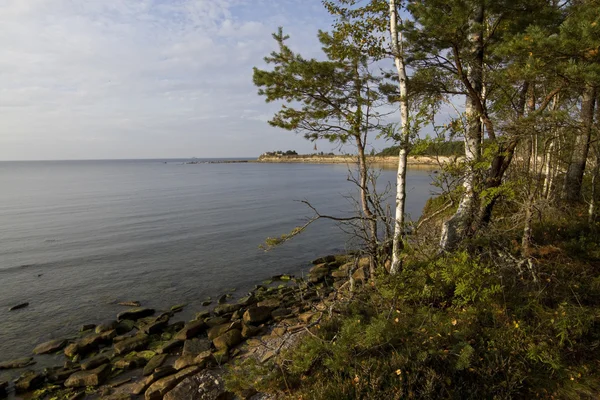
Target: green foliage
{"x": 426, "y": 147}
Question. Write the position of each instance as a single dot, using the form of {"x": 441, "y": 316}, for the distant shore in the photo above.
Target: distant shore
{"x": 342, "y": 159}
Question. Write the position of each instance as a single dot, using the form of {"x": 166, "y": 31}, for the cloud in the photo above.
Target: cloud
{"x": 142, "y": 78}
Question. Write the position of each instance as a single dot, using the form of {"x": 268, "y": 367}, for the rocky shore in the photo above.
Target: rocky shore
{"x": 143, "y": 354}
{"x": 340, "y": 159}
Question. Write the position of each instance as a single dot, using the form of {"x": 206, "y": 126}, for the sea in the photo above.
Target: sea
{"x": 78, "y": 237}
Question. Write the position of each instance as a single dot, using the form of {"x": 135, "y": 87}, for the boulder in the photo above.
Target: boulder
{"x": 29, "y": 381}
{"x": 226, "y": 308}
{"x": 125, "y": 326}
{"x": 106, "y": 326}
{"x": 257, "y": 315}
{"x": 360, "y": 274}
{"x": 247, "y": 301}
{"x": 59, "y": 375}
{"x": 202, "y": 315}
{"x": 154, "y": 363}
{"x": 18, "y": 363}
{"x": 87, "y": 327}
{"x": 339, "y": 274}
{"x": 94, "y": 362}
{"x": 50, "y": 347}
{"x": 216, "y": 321}
{"x": 190, "y": 330}
{"x": 134, "y": 314}
{"x": 326, "y": 259}
{"x": 216, "y": 331}
{"x": 207, "y": 385}
{"x": 228, "y": 339}
{"x": 169, "y": 346}
{"x": 156, "y": 326}
{"x": 128, "y": 345}
{"x": 158, "y": 389}
{"x": 89, "y": 378}
{"x": 271, "y": 303}
{"x": 194, "y": 347}
{"x": 249, "y": 331}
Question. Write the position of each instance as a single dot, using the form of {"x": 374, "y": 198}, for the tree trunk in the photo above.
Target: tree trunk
{"x": 363, "y": 171}
{"x": 455, "y": 229}
{"x": 405, "y": 129}
{"x": 574, "y": 176}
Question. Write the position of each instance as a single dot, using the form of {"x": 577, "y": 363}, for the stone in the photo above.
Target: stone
{"x": 125, "y": 326}
{"x": 216, "y": 321}
{"x": 360, "y": 274}
{"x": 118, "y": 396}
{"x": 157, "y": 326}
{"x": 178, "y": 308}
{"x": 184, "y": 362}
{"x": 267, "y": 356}
{"x": 339, "y": 274}
{"x": 87, "y": 327}
{"x": 306, "y": 317}
{"x": 222, "y": 299}
{"x": 59, "y": 375}
{"x": 221, "y": 356}
{"x": 128, "y": 345}
{"x": 77, "y": 395}
{"x": 176, "y": 327}
{"x": 94, "y": 362}
{"x": 135, "y": 313}
{"x": 161, "y": 372}
{"x": 50, "y": 347}
{"x": 133, "y": 303}
{"x": 279, "y": 331}
{"x": 160, "y": 388}
{"x": 326, "y": 259}
{"x": 18, "y": 306}
{"x": 247, "y": 301}
{"x": 217, "y": 331}
{"x": 195, "y": 346}
{"x": 106, "y": 326}
{"x": 257, "y": 315}
{"x": 190, "y": 330}
{"x": 281, "y": 313}
{"x": 120, "y": 382}
{"x": 228, "y": 339}
{"x": 29, "y": 381}
{"x": 250, "y": 330}
{"x": 129, "y": 363}
{"x": 271, "y": 303}
{"x": 226, "y": 309}
{"x": 170, "y": 346}
{"x": 3, "y": 387}
{"x": 154, "y": 363}
{"x": 206, "y": 303}
{"x": 89, "y": 378}
{"x": 120, "y": 338}
{"x": 202, "y": 314}
{"x": 18, "y": 363}
{"x": 204, "y": 359}
{"x": 207, "y": 385}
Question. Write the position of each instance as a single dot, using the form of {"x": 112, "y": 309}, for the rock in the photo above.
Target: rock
{"x": 125, "y": 326}
{"x": 257, "y": 315}
{"x": 226, "y": 309}
{"x": 106, "y": 326}
{"x": 281, "y": 313}
{"x": 154, "y": 363}
{"x": 204, "y": 359}
{"x": 206, "y": 303}
{"x": 228, "y": 339}
{"x": 360, "y": 274}
{"x": 18, "y": 306}
{"x": 176, "y": 327}
{"x": 130, "y": 303}
{"x": 237, "y": 315}
{"x": 29, "y": 381}
{"x": 279, "y": 331}
{"x": 249, "y": 331}
{"x": 60, "y": 375}
{"x": 267, "y": 356}
{"x": 89, "y": 378}
{"x": 221, "y": 356}
{"x": 326, "y": 259}
{"x": 129, "y": 363}
{"x": 50, "y": 347}
{"x": 306, "y": 317}
{"x": 126, "y": 336}
{"x": 3, "y": 387}
{"x": 217, "y": 331}
{"x": 158, "y": 389}
{"x": 120, "y": 382}
{"x": 94, "y": 362}
{"x": 170, "y": 346}
{"x": 135, "y": 313}
{"x": 339, "y": 274}
{"x": 86, "y": 327}
{"x": 161, "y": 372}
{"x": 207, "y": 385}
{"x": 178, "y": 308}
{"x": 202, "y": 314}
{"x": 77, "y": 396}
{"x": 184, "y": 362}
{"x": 222, "y": 299}
{"x": 271, "y": 303}
{"x": 18, "y": 363}
{"x": 135, "y": 343}
{"x": 118, "y": 396}
{"x": 216, "y": 321}
{"x": 89, "y": 343}
{"x": 194, "y": 347}
{"x": 157, "y": 326}
{"x": 191, "y": 330}
{"x": 247, "y": 301}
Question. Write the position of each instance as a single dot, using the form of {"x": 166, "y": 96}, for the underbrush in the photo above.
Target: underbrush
{"x": 460, "y": 326}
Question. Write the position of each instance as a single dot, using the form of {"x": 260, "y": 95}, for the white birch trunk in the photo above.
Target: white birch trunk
{"x": 396, "y": 40}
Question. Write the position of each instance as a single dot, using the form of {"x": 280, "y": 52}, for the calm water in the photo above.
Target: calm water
{"x": 76, "y": 236}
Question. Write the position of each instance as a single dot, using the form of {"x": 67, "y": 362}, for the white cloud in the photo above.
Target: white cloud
{"x": 141, "y": 78}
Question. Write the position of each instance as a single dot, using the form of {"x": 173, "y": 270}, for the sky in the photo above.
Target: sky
{"x": 110, "y": 79}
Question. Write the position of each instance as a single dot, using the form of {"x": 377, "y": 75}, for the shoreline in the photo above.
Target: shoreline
{"x": 340, "y": 159}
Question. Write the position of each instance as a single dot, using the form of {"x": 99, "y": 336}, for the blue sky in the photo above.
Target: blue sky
{"x": 101, "y": 79}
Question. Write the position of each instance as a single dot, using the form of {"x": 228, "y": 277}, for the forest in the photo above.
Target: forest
{"x": 495, "y": 291}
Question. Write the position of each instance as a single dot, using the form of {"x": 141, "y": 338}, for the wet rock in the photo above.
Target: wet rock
{"x": 156, "y": 326}
{"x": 190, "y": 330}
{"x": 50, "y": 347}
{"x": 216, "y": 321}
{"x": 18, "y": 306}
{"x": 257, "y": 315}
{"x": 178, "y": 308}
{"x": 158, "y": 389}
{"x": 206, "y": 303}
{"x": 184, "y": 362}
{"x": 106, "y": 326}
{"x": 77, "y": 396}
{"x": 206, "y": 385}
{"x": 170, "y": 346}
{"x": 129, "y": 363}
{"x": 59, "y": 375}
{"x": 125, "y": 326}
{"x": 216, "y": 331}
{"x": 202, "y": 314}
{"x": 194, "y": 347}
{"x": 87, "y": 327}
{"x": 279, "y": 331}
{"x": 154, "y": 363}
{"x": 135, "y": 313}
{"x": 89, "y": 343}
{"x": 339, "y": 274}
{"x": 249, "y": 331}
{"x": 135, "y": 343}
{"x": 228, "y": 339}
{"x": 29, "y": 381}
{"x": 222, "y": 299}
{"x": 18, "y": 363}
{"x": 94, "y": 362}
{"x": 326, "y": 259}
{"x": 118, "y": 396}
{"x": 120, "y": 338}
{"x": 89, "y": 378}
{"x": 247, "y": 301}
{"x": 226, "y": 309}
{"x": 271, "y": 303}
{"x": 176, "y": 327}
{"x": 130, "y": 303}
